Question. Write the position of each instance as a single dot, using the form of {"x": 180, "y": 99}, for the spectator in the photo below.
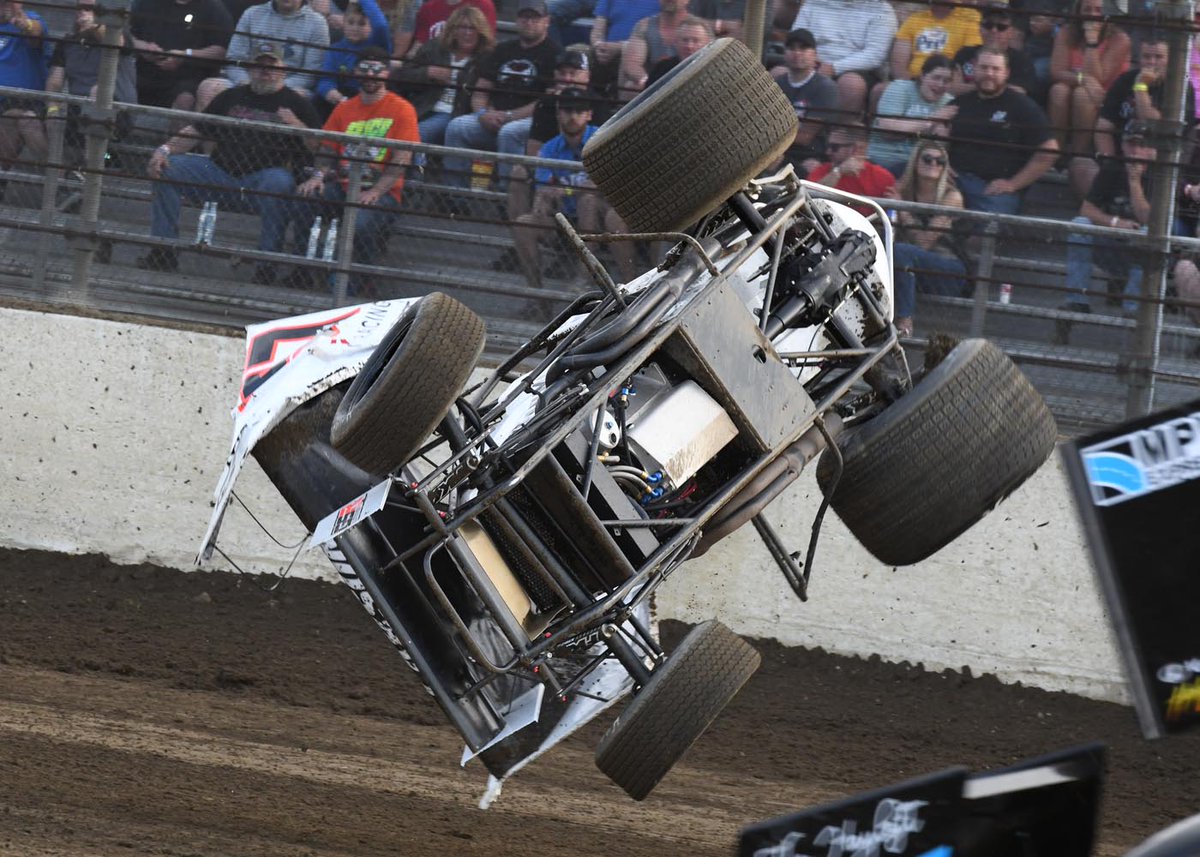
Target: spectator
{"x": 1186, "y": 273}
{"x": 905, "y": 111}
{"x": 510, "y": 81}
{"x": 433, "y": 15}
{"x": 1089, "y": 55}
{"x": 559, "y": 190}
{"x": 1042, "y": 21}
{"x": 693, "y": 34}
{"x": 572, "y": 68}
{"x": 179, "y": 44}
{"x": 22, "y": 64}
{"x": 377, "y": 114}
{"x": 244, "y": 159}
{"x": 853, "y": 40}
{"x": 364, "y": 24}
{"x": 813, "y": 97}
{"x": 848, "y": 168}
{"x": 942, "y": 29}
{"x": 1000, "y": 142}
{"x": 652, "y": 41}
{"x": 997, "y": 32}
{"x": 439, "y": 80}
{"x": 612, "y": 26}
{"x": 1118, "y": 199}
{"x": 924, "y": 256}
{"x": 300, "y": 30}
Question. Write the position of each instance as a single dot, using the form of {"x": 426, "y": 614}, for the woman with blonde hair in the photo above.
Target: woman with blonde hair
{"x": 923, "y": 254}
{"x": 440, "y": 78}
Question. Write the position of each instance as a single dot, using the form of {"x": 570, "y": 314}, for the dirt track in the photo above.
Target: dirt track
{"x": 145, "y": 711}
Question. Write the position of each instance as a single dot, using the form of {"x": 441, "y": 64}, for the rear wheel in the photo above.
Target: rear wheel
{"x": 932, "y": 464}
{"x": 683, "y": 696}
{"x": 408, "y": 384}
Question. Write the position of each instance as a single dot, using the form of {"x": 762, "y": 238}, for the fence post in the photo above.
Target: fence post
{"x": 56, "y": 127}
{"x": 1168, "y": 136}
{"x": 345, "y": 237}
{"x": 98, "y": 119}
{"x": 983, "y": 277}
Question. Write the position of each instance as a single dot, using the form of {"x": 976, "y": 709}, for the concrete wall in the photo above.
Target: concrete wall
{"x": 114, "y": 435}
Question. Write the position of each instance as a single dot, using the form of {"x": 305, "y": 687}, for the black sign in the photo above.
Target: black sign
{"x": 1137, "y": 488}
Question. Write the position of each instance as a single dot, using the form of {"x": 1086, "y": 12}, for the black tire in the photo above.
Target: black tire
{"x": 408, "y": 384}
{"x": 686, "y": 144}
{"x": 683, "y": 696}
{"x": 919, "y": 474}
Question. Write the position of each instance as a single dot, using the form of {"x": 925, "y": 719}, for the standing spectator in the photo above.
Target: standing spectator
{"x": 848, "y": 168}
{"x": 652, "y": 41}
{"x": 1118, "y": 199}
{"x": 374, "y": 114}
{"x": 433, "y": 15}
{"x": 905, "y": 111}
{"x": 299, "y": 29}
{"x": 853, "y": 41}
{"x": 364, "y": 25}
{"x": 22, "y": 64}
{"x": 942, "y": 29}
{"x": 248, "y": 169}
{"x": 1089, "y": 55}
{"x": 559, "y": 190}
{"x": 997, "y": 31}
{"x": 510, "y": 81}
{"x": 814, "y": 97}
{"x": 440, "y": 78}
{"x": 693, "y": 34}
{"x": 179, "y": 44}
{"x": 1000, "y": 142}
{"x": 923, "y": 256}
{"x": 612, "y": 25}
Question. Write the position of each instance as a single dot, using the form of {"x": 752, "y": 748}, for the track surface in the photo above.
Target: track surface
{"x": 145, "y": 711}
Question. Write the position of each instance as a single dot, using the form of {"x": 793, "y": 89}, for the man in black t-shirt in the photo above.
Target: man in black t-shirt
{"x": 1000, "y": 140}
{"x": 250, "y": 169}
{"x": 510, "y": 81}
{"x": 179, "y": 43}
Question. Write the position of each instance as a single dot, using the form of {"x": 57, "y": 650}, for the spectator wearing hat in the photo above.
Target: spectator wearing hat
{"x": 1119, "y": 199}
{"x": 179, "y": 44}
{"x": 248, "y": 169}
{"x": 651, "y": 42}
{"x": 572, "y": 68}
{"x": 567, "y": 190}
{"x": 510, "y": 81}
{"x": 363, "y": 25}
{"x": 612, "y": 25}
{"x": 941, "y": 30}
{"x": 693, "y": 34}
{"x": 813, "y": 95}
{"x": 848, "y": 168}
{"x": 854, "y": 38}
{"x": 22, "y": 64}
{"x": 996, "y": 32}
{"x": 301, "y": 32}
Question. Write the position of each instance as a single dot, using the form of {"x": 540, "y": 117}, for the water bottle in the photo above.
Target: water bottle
{"x": 314, "y": 238}
{"x": 330, "y": 240}
{"x": 202, "y": 224}
{"x": 211, "y": 225}
{"x": 1005, "y": 293}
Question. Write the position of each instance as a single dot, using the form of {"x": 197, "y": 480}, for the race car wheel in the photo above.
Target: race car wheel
{"x": 688, "y": 142}
{"x": 683, "y": 696}
{"x": 408, "y": 384}
{"x": 932, "y": 464}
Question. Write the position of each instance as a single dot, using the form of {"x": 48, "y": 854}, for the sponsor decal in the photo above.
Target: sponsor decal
{"x": 894, "y": 821}
{"x": 1143, "y": 461}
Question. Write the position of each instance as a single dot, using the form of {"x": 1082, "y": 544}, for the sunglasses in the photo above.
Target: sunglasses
{"x": 933, "y": 161}
{"x": 372, "y": 67}
{"x": 995, "y": 25}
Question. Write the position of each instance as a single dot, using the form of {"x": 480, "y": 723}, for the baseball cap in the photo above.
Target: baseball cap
{"x": 573, "y": 98}
{"x": 269, "y": 49}
{"x": 572, "y": 59}
{"x": 800, "y": 36}
{"x": 538, "y": 6}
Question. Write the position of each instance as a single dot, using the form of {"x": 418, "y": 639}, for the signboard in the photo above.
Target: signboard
{"x": 1137, "y": 488}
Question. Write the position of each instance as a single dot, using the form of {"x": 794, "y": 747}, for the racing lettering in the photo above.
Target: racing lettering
{"x": 270, "y": 350}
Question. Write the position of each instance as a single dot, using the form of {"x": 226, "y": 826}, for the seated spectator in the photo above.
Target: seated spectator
{"x": 374, "y": 113}
{"x": 997, "y": 32}
{"x": 1089, "y": 55}
{"x": 652, "y": 41}
{"x": 848, "y": 168}
{"x": 22, "y": 64}
{"x": 923, "y": 255}
{"x": 247, "y": 170}
{"x": 612, "y": 26}
{"x": 853, "y": 41}
{"x": 510, "y": 81}
{"x": 905, "y": 111}
{"x": 813, "y": 97}
{"x": 1136, "y": 94}
{"x": 692, "y": 35}
{"x": 300, "y": 30}
{"x": 1119, "y": 198}
{"x": 559, "y": 190}
{"x": 572, "y": 68}
{"x": 942, "y": 29}
{"x": 364, "y": 25}
{"x": 432, "y": 17}
{"x": 440, "y": 78}
{"x": 179, "y": 44}
{"x": 1000, "y": 142}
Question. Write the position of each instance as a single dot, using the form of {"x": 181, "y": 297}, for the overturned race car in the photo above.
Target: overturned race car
{"x": 507, "y": 535}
